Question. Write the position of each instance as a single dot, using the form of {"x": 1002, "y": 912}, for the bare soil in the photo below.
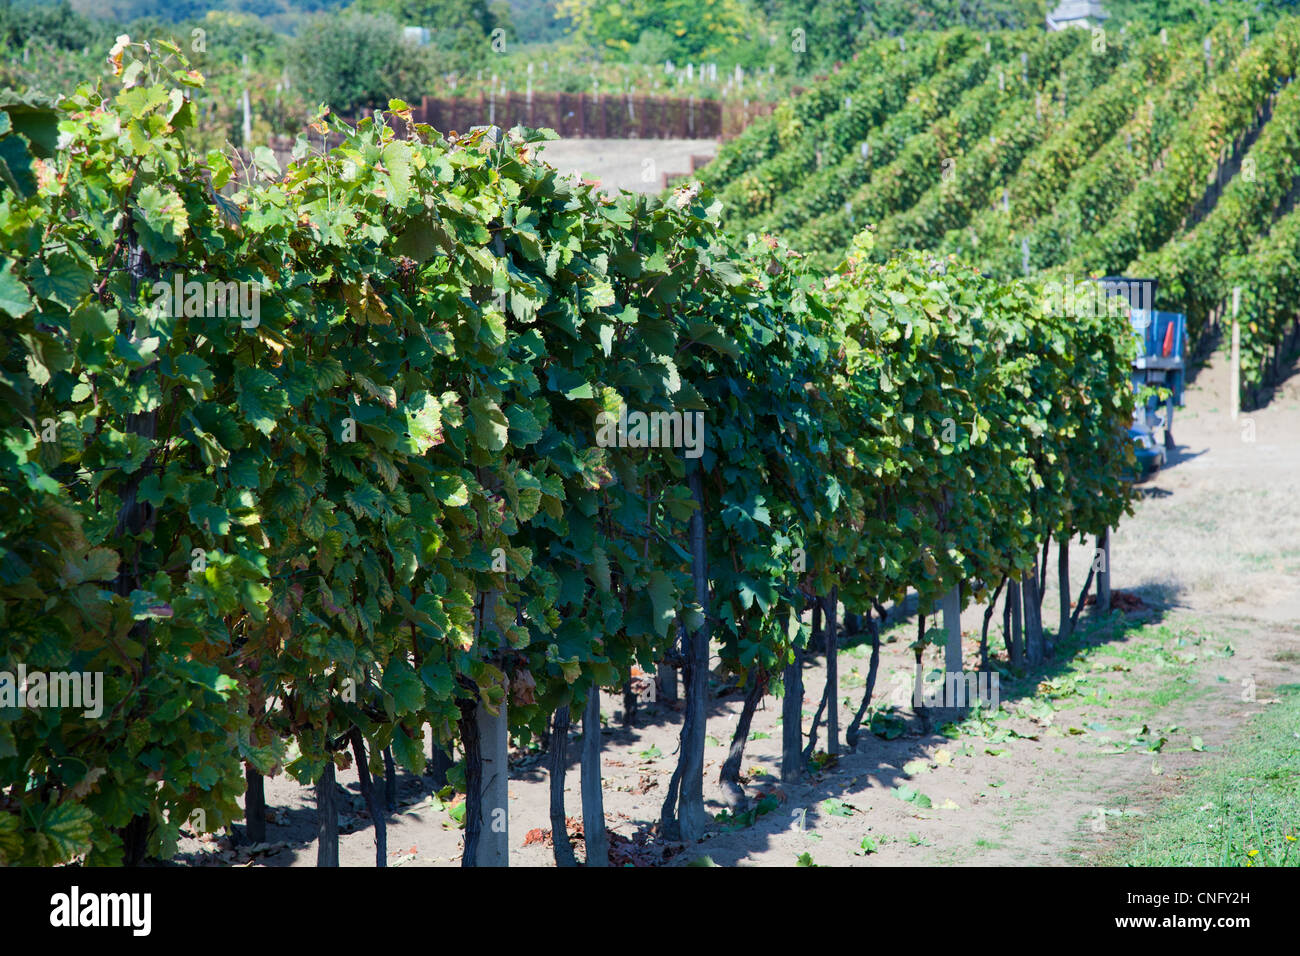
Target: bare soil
{"x": 637, "y": 165}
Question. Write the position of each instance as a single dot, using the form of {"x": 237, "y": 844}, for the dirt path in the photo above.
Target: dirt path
{"x": 638, "y": 165}
{"x": 1214, "y": 551}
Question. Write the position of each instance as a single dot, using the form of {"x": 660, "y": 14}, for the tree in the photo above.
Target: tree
{"x": 359, "y": 60}
{"x": 697, "y": 28}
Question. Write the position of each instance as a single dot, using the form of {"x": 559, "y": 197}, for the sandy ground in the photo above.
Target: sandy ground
{"x": 1213, "y": 549}
{"x": 637, "y": 165}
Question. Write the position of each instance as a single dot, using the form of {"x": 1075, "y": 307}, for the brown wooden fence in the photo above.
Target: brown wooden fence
{"x": 581, "y": 115}
{"x": 595, "y": 115}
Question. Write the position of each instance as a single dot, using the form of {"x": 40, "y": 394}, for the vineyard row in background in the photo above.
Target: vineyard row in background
{"x": 1167, "y": 152}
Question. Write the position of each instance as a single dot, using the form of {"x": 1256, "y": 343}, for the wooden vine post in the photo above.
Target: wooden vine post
{"x": 1234, "y": 387}
{"x": 1063, "y": 576}
{"x": 135, "y": 520}
{"x": 683, "y": 812}
{"x": 327, "y": 817}
{"x": 254, "y": 805}
{"x": 832, "y": 674}
{"x": 595, "y": 835}
{"x": 485, "y": 733}
{"x": 1102, "y": 560}
{"x": 494, "y": 844}
{"x": 490, "y": 792}
{"x": 792, "y": 719}
{"x": 557, "y": 765}
{"x": 952, "y": 662}
{"x": 1016, "y": 650}
{"x": 950, "y": 605}
{"x": 492, "y": 795}
{"x": 1033, "y": 622}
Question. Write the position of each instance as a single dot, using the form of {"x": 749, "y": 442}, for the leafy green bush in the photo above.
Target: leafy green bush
{"x": 358, "y": 60}
{"x": 697, "y": 29}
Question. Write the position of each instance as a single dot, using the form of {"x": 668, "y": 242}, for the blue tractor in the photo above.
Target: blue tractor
{"x": 1159, "y": 363}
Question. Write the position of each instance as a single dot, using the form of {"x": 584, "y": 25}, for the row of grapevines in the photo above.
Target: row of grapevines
{"x": 766, "y": 137}
{"x": 1270, "y": 295}
{"x": 960, "y": 424}
{"x": 302, "y": 516}
{"x": 1193, "y": 267}
{"x": 441, "y": 327}
{"x": 1015, "y": 143}
{"x": 1092, "y": 193}
{"x": 901, "y": 175}
{"x": 1038, "y": 180}
{"x": 975, "y": 412}
{"x": 826, "y": 190}
{"x": 866, "y": 105}
{"x": 1156, "y": 210}
{"x": 380, "y": 501}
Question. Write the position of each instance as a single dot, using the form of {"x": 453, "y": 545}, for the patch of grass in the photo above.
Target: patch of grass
{"x": 1241, "y": 810}
{"x": 1169, "y": 691}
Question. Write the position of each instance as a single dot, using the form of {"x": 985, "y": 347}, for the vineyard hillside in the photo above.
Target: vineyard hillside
{"x": 1160, "y": 152}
